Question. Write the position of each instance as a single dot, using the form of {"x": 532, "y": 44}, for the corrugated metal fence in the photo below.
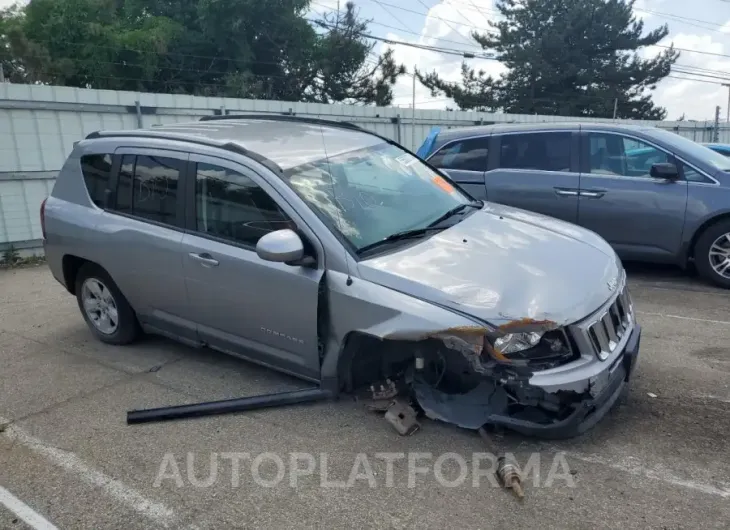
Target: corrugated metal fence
{"x": 39, "y": 124}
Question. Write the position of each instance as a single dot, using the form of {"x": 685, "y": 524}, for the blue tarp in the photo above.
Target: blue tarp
{"x": 427, "y": 145}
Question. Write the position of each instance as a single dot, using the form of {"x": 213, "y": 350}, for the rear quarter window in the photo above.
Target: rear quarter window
{"x": 97, "y": 171}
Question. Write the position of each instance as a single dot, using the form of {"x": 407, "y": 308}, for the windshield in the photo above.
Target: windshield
{"x": 693, "y": 149}
{"x": 374, "y": 192}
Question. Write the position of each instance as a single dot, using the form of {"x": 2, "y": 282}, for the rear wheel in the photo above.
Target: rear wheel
{"x": 712, "y": 254}
{"x": 106, "y": 311}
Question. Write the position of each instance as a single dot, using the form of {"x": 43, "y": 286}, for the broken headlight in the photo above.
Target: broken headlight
{"x": 535, "y": 348}
{"x": 514, "y": 342}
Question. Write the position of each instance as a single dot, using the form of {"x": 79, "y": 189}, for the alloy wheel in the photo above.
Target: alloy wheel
{"x": 100, "y": 306}
{"x": 719, "y": 256}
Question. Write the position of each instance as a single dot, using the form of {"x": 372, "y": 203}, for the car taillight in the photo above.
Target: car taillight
{"x": 43, "y": 218}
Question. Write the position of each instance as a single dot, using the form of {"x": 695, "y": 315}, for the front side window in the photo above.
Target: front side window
{"x": 536, "y": 151}
{"x": 373, "y": 192}
{"x": 692, "y": 175}
{"x": 613, "y": 154}
{"x": 148, "y": 187}
{"x": 465, "y": 155}
{"x": 230, "y": 205}
{"x": 97, "y": 170}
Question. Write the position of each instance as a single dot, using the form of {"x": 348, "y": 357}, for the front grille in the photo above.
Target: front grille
{"x": 603, "y": 332}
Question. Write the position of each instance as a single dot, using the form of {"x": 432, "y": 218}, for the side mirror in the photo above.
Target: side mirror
{"x": 280, "y": 246}
{"x": 664, "y": 170}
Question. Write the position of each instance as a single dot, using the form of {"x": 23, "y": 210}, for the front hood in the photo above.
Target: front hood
{"x": 502, "y": 264}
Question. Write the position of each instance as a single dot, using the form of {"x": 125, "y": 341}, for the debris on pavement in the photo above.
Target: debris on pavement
{"x": 402, "y": 417}
{"x": 508, "y": 470}
{"x": 509, "y": 474}
{"x": 651, "y": 395}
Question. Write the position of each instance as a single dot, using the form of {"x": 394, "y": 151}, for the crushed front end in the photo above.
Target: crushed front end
{"x": 539, "y": 378}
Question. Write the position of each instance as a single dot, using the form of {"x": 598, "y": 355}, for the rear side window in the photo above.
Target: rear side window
{"x": 97, "y": 171}
{"x": 538, "y": 151}
{"x": 148, "y": 187}
{"x": 466, "y": 155}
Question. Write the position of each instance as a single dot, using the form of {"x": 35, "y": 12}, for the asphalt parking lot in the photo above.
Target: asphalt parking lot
{"x": 660, "y": 460}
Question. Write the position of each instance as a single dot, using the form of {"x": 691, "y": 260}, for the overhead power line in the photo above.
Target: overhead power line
{"x": 449, "y": 51}
{"x": 487, "y": 30}
{"x": 449, "y": 25}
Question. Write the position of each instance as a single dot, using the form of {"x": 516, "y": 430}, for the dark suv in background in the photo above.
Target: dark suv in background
{"x": 652, "y": 194}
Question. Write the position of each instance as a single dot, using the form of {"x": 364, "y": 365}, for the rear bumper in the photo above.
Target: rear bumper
{"x": 589, "y": 411}
{"x": 54, "y": 262}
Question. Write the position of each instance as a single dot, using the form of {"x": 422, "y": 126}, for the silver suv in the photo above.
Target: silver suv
{"x": 333, "y": 254}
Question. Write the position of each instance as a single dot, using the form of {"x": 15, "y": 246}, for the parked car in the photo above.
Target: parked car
{"x": 652, "y": 194}
{"x": 333, "y": 254}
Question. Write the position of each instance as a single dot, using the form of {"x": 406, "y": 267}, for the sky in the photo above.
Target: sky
{"x": 697, "y": 25}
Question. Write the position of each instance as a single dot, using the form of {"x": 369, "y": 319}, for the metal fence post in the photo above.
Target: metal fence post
{"x": 397, "y": 123}
{"x": 139, "y": 114}
{"x": 716, "y": 131}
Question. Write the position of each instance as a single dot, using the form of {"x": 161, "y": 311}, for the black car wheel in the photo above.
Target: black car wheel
{"x": 712, "y": 254}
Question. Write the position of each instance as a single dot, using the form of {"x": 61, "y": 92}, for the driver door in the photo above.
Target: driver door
{"x": 640, "y": 216}
{"x": 242, "y": 304}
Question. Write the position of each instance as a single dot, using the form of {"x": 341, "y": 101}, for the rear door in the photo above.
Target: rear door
{"x": 142, "y": 233}
{"x": 536, "y": 171}
{"x": 640, "y": 216}
{"x": 264, "y": 311}
{"x": 465, "y": 161}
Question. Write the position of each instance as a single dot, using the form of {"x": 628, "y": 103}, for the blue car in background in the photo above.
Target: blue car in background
{"x": 723, "y": 149}
{"x": 644, "y": 157}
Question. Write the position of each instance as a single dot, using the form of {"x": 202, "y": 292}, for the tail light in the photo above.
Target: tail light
{"x": 43, "y": 218}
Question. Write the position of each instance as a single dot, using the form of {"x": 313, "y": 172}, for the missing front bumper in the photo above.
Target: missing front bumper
{"x": 476, "y": 408}
{"x": 589, "y": 411}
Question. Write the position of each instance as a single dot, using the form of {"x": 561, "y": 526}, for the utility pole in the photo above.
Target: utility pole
{"x": 716, "y": 132}
{"x": 2, "y": 74}
{"x": 615, "y": 107}
{"x": 728, "y": 102}
{"x": 413, "y": 116}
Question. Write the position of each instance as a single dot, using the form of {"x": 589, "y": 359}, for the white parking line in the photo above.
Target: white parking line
{"x": 633, "y": 466}
{"x": 713, "y": 397}
{"x": 25, "y": 512}
{"x": 160, "y": 514}
{"x": 685, "y": 318}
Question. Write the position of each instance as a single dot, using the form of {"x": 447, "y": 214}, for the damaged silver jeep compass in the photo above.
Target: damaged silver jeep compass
{"x": 330, "y": 253}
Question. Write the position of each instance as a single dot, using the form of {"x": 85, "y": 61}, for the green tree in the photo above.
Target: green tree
{"x": 236, "y": 48}
{"x": 347, "y": 69}
{"x": 565, "y": 57}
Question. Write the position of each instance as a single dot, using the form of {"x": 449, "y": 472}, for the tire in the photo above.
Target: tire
{"x": 714, "y": 238}
{"x": 93, "y": 283}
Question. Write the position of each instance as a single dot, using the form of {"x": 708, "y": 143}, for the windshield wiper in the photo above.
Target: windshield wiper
{"x": 420, "y": 232}
{"x": 400, "y": 236}
{"x": 456, "y": 210}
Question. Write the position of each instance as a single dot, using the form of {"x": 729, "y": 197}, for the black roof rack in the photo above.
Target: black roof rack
{"x": 284, "y": 117}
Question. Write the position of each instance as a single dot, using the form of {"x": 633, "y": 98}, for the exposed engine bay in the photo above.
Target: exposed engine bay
{"x": 445, "y": 378}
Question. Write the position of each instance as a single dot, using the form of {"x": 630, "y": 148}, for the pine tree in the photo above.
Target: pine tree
{"x": 565, "y": 57}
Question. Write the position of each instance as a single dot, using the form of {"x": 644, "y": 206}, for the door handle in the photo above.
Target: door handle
{"x": 205, "y": 259}
{"x": 592, "y": 194}
{"x": 565, "y": 192}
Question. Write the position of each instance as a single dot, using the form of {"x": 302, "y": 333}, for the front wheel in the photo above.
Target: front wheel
{"x": 104, "y": 307}
{"x": 712, "y": 254}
